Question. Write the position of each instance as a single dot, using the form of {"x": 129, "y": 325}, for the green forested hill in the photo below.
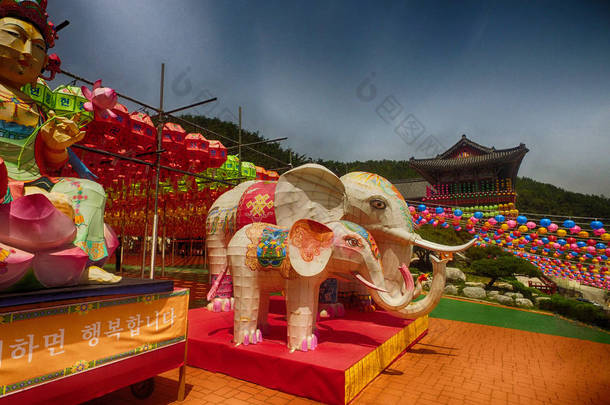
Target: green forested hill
{"x": 533, "y": 196}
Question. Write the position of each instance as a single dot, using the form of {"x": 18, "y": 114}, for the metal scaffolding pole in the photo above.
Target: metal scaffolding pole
{"x": 153, "y": 250}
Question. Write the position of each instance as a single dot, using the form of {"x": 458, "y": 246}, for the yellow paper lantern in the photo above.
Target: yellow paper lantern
{"x": 542, "y": 230}
{"x": 523, "y": 228}
{"x": 606, "y": 236}
{"x": 583, "y": 234}
{"x": 561, "y": 233}
{"x": 504, "y": 227}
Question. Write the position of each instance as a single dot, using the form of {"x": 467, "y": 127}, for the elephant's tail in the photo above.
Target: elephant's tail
{"x": 214, "y": 287}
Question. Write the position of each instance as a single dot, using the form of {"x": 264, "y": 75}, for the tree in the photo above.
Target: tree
{"x": 445, "y": 236}
{"x": 505, "y": 265}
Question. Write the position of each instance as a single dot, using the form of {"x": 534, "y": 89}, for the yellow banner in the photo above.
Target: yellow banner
{"x": 40, "y": 345}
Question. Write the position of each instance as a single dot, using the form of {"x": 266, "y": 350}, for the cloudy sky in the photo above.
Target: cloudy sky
{"x": 369, "y": 80}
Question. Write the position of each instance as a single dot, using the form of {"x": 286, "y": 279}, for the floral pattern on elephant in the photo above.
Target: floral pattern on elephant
{"x": 309, "y": 240}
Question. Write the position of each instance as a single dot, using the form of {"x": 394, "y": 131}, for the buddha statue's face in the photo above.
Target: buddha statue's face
{"x": 23, "y": 52}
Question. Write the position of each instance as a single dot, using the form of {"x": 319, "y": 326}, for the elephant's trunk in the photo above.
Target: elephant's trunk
{"x": 427, "y": 304}
{"x": 392, "y": 301}
{"x": 396, "y": 246}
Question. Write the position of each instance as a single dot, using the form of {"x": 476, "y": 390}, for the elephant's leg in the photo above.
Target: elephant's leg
{"x": 246, "y": 292}
{"x": 263, "y": 313}
{"x": 300, "y": 307}
{"x": 217, "y": 262}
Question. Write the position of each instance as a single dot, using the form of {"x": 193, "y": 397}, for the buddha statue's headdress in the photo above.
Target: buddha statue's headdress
{"x": 34, "y": 11}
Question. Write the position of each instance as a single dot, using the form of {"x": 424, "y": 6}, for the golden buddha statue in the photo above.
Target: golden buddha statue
{"x": 33, "y": 143}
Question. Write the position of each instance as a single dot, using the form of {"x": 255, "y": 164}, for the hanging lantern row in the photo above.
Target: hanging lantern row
{"x": 588, "y": 249}
{"x": 185, "y": 199}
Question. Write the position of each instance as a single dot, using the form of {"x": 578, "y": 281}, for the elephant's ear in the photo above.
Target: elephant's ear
{"x": 309, "y": 191}
{"x": 309, "y": 246}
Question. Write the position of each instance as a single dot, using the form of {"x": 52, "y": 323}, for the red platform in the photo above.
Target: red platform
{"x": 351, "y": 351}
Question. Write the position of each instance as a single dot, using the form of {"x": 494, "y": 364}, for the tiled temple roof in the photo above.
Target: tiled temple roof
{"x": 492, "y": 157}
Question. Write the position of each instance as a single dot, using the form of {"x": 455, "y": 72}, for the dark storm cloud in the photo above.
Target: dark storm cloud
{"x": 501, "y": 73}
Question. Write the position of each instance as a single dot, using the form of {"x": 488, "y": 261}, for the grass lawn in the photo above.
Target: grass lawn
{"x": 516, "y": 319}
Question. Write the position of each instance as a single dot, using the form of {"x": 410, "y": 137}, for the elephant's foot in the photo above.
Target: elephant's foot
{"x": 95, "y": 275}
{"x": 251, "y": 338}
{"x": 308, "y": 343}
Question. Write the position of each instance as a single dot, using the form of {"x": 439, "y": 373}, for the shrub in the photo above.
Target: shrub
{"x": 581, "y": 311}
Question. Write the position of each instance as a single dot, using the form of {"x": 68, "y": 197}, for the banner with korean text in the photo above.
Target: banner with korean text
{"x": 41, "y": 345}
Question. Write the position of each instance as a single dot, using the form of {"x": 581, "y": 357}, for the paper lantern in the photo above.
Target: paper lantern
{"x": 217, "y": 153}
{"x": 248, "y": 170}
{"x": 273, "y": 175}
{"x": 197, "y": 151}
{"x": 143, "y": 132}
{"x": 68, "y": 101}
{"x": 172, "y": 138}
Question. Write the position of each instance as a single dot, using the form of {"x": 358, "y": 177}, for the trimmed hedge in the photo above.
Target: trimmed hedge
{"x": 581, "y": 311}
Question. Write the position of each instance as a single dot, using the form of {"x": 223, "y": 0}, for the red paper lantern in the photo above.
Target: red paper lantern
{"x": 197, "y": 151}
{"x": 143, "y": 132}
{"x": 218, "y": 153}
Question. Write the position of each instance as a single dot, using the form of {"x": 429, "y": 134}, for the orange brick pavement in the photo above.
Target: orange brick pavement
{"x": 456, "y": 363}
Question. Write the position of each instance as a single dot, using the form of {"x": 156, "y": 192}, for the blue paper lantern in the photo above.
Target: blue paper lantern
{"x": 596, "y": 225}
{"x": 500, "y": 218}
{"x": 478, "y": 215}
{"x": 521, "y": 219}
{"x": 568, "y": 223}
{"x": 581, "y": 244}
{"x": 545, "y": 222}
{"x": 458, "y": 213}
{"x": 421, "y": 207}
{"x": 439, "y": 210}
{"x": 600, "y": 246}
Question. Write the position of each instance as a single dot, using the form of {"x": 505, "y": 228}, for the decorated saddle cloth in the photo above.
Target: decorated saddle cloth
{"x": 268, "y": 250}
{"x": 257, "y": 204}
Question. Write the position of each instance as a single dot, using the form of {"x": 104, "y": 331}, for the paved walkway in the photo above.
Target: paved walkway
{"x": 456, "y": 363}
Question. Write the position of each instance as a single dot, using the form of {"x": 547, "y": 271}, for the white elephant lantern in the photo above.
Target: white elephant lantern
{"x": 313, "y": 192}
{"x": 265, "y": 258}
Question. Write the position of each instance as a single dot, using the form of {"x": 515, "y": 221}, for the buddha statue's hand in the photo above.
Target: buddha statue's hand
{"x": 58, "y": 133}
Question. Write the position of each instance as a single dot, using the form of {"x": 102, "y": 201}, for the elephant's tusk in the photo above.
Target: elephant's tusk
{"x": 406, "y": 275}
{"x": 367, "y": 283}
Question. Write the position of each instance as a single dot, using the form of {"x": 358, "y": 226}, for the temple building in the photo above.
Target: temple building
{"x": 469, "y": 174}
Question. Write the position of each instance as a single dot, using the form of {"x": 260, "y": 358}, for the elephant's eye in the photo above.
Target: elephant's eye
{"x": 352, "y": 242}
{"x": 378, "y": 204}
